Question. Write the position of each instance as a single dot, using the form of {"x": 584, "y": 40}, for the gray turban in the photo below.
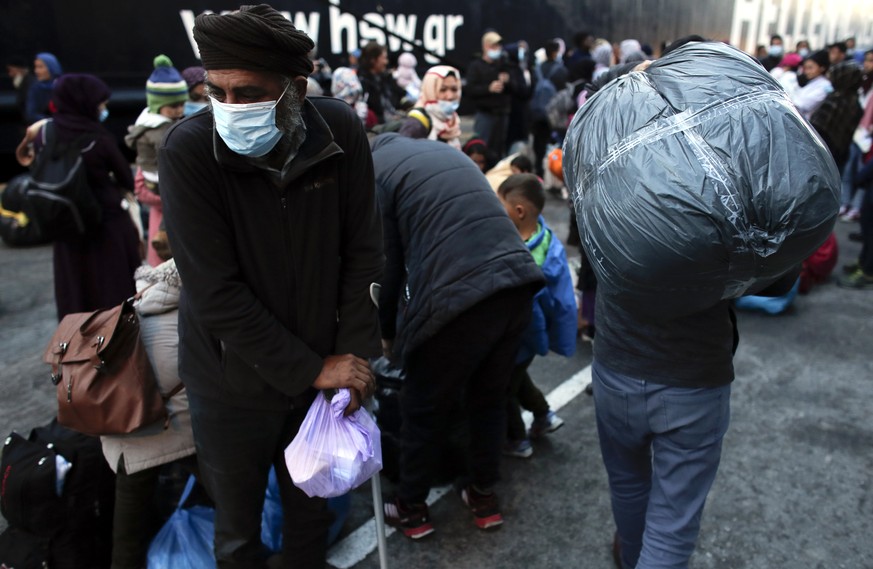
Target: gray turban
{"x": 257, "y": 38}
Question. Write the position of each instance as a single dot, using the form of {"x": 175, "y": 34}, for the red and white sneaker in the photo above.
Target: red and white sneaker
{"x": 411, "y": 519}
{"x": 484, "y": 507}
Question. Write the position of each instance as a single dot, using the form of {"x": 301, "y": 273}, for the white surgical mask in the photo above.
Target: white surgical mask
{"x": 775, "y": 50}
{"x": 17, "y": 81}
{"x": 248, "y": 129}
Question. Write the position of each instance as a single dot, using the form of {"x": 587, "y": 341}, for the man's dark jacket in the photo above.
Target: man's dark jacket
{"x": 448, "y": 241}
{"x": 275, "y": 276}
{"x": 480, "y": 75}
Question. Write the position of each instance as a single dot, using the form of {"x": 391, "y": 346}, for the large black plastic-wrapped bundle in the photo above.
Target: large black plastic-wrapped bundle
{"x": 696, "y": 181}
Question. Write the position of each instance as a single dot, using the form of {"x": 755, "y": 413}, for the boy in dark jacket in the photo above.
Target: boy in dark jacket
{"x": 553, "y": 323}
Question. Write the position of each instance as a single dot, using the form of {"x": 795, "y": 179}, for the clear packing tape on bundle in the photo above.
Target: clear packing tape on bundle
{"x": 696, "y": 181}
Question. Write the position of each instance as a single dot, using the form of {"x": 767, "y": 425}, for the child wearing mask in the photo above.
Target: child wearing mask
{"x": 166, "y": 95}
{"x": 553, "y": 323}
{"x": 195, "y": 78}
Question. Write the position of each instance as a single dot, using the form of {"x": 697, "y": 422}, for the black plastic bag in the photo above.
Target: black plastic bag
{"x": 696, "y": 181}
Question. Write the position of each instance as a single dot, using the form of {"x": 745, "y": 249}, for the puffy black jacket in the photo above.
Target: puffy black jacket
{"x": 276, "y": 274}
{"x": 448, "y": 241}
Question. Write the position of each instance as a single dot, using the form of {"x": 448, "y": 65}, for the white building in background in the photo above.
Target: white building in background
{"x": 818, "y": 21}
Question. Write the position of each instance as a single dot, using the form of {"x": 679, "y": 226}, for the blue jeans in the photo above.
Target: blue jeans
{"x": 492, "y": 129}
{"x": 661, "y": 446}
{"x": 852, "y": 196}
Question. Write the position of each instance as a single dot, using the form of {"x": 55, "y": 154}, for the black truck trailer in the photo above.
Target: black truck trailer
{"x": 118, "y": 39}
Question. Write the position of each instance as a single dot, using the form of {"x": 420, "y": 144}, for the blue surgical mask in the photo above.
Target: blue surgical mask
{"x": 448, "y": 108}
{"x": 775, "y": 50}
{"x": 249, "y": 129}
{"x": 494, "y": 53}
{"x": 192, "y": 107}
{"x": 521, "y": 54}
{"x": 104, "y": 114}
{"x": 803, "y": 52}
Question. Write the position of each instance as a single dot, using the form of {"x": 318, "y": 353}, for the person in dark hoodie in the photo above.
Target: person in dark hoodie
{"x": 455, "y": 300}
{"x": 271, "y": 213}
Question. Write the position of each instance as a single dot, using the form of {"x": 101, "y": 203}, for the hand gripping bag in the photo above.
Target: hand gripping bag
{"x": 332, "y": 454}
{"x": 696, "y": 181}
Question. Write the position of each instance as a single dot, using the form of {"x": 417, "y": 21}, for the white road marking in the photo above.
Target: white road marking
{"x": 360, "y": 543}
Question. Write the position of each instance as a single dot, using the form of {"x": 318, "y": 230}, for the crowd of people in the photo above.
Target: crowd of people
{"x": 278, "y": 191}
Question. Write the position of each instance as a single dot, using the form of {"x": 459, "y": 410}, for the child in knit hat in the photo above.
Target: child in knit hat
{"x": 195, "y": 78}
{"x": 166, "y": 94}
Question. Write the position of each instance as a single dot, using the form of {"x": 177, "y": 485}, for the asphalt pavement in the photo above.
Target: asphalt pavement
{"x": 795, "y": 487}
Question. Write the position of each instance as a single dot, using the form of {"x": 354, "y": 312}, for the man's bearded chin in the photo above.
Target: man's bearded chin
{"x": 289, "y": 118}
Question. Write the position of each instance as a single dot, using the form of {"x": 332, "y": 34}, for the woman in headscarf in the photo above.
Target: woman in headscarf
{"x": 94, "y": 270}
{"x": 345, "y": 85}
{"x": 46, "y": 70}
{"x": 440, "y": 98}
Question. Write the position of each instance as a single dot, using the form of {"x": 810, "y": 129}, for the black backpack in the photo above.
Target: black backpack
{"x": 28, "y": 496}
{"x": 71, "y": 531}
{"x": 16, "y": 225}
{"x": 59, "y": 199}
{"x": 22, "y": 550}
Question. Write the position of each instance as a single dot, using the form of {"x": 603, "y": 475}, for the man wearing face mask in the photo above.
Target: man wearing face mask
{"x": 490, "y": 88}
{"x": 774, "y": 53}
{"x": 270, "y": 209}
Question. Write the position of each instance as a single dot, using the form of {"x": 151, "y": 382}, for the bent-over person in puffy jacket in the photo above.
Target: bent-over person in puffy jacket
{"x": 455, "y": 299}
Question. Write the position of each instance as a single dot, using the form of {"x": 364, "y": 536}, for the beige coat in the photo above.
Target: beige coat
{"x": 158, "y": 310}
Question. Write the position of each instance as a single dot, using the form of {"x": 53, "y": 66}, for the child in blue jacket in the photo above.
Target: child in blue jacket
{"x": 553, "y": 322}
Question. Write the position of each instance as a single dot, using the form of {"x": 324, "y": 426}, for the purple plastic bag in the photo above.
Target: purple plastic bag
{"x": 332, "y": 454}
